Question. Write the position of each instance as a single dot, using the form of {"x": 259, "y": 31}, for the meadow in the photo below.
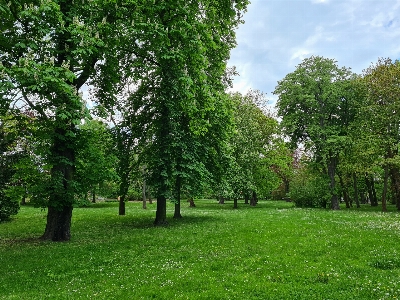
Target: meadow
{"x": 271, "y": 251}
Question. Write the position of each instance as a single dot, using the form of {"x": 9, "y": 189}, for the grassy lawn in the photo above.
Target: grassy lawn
{"x": 272, "y": 251}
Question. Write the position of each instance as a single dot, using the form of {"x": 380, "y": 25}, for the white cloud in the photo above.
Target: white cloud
{"x": 319, "y": 1}
{"x": 277, "y": 35}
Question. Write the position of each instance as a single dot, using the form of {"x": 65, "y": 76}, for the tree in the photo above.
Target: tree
{"x": 95, "y": 162}
{"x": 182, "y": 49}
{"x": 254, "y": 129}
{"x": 51, "y": 50}
{"x": 381, "y": 120}
{"x": 313, "y": 106}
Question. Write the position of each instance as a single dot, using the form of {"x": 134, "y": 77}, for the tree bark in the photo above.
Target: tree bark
{"x": 161, "y": 213}
{"x": 221, "y": 200}
{"x": 235, "y": 203}
{"x": 93, "y": 195}
{"x": 58, "y": 226}
{"x": 191, "y": 202}
{"x": 121, "y": 207}
{"x": 253, "y": 199}
{"x": 61, "y": 196}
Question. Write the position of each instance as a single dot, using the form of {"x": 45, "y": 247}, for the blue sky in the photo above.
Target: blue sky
{"x": 279, "y": 34}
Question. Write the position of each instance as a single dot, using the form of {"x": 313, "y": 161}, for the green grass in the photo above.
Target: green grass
{"x": 272, "y": 251}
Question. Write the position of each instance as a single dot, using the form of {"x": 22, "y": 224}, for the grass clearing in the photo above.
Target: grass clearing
{"x": 272, "y": 251}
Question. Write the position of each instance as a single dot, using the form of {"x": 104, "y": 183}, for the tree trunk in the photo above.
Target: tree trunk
{"x": 161, "y": 213}
{"x": 144, "y": 195}
{"x": 177, "y": 211}
{"x": 58, "y": 226}
{"x": 123, "y": 191}
{"x": 253, "y": 200}
{"x": 93, "y": 195}
{"x": 369, "y": 181}
{"x": 191, "y": 202}
{"x": 121, "y": 207}
{"x": 395, "y": 182}
{"x": 221, "y": 200}
{"x": 363, "y": 199}
{"x": 369, "y": 190}
{"x": 235, "y": 203}
{"x": 356, "y": 190}
{"x": 385, "y": 188}
{"x": 246, "y": 198}
{"x": 61, "y": 196}
{"x": 286, "y": 183}
{"x": 345, "y": 192}
{"x": 374, "y": 191}
{"x": 331, "y": 172}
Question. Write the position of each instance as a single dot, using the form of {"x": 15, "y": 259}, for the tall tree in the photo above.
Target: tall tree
{"x": 312, "y": 105}
{"x": 182, "y": 48}
{"x": 381, "y": 119}
{"x": 51, "y": 50}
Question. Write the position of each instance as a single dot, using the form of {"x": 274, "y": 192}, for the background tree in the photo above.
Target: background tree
{"x": 312, "y": 104}
{"x": 95, "y": 161}
{"x": 253, "y": 135}
{"x": 381, "y": 120}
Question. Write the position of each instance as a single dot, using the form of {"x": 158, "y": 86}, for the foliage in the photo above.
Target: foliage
{"x": 309, "y": 189}
{"x": 95, "y": 158}
{"x": 381, "y": 121}
{"x": 252, "y": 139}
{"x": 8, "y": 158}
{"x": 50, "y": 51}
{"x": 272, "y": 251}
{"x": 316, "y": 110}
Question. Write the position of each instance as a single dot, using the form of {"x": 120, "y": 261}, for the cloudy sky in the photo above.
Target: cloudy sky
{"x": 279, "y": 34}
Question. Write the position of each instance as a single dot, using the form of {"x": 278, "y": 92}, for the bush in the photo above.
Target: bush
{"x": 8, "y": 207}
{"x": 310, "y": 190}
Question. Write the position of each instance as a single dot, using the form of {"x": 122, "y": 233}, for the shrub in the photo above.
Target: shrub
{"x": 310, "y": 190}
{"x": 8, "y": 207}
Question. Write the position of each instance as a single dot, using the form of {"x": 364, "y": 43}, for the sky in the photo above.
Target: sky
{"x": 279, "y": 34}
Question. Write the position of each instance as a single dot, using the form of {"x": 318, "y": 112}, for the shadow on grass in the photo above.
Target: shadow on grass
{"x": 262, "y": 204}
{"x": 102, "y": 204}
